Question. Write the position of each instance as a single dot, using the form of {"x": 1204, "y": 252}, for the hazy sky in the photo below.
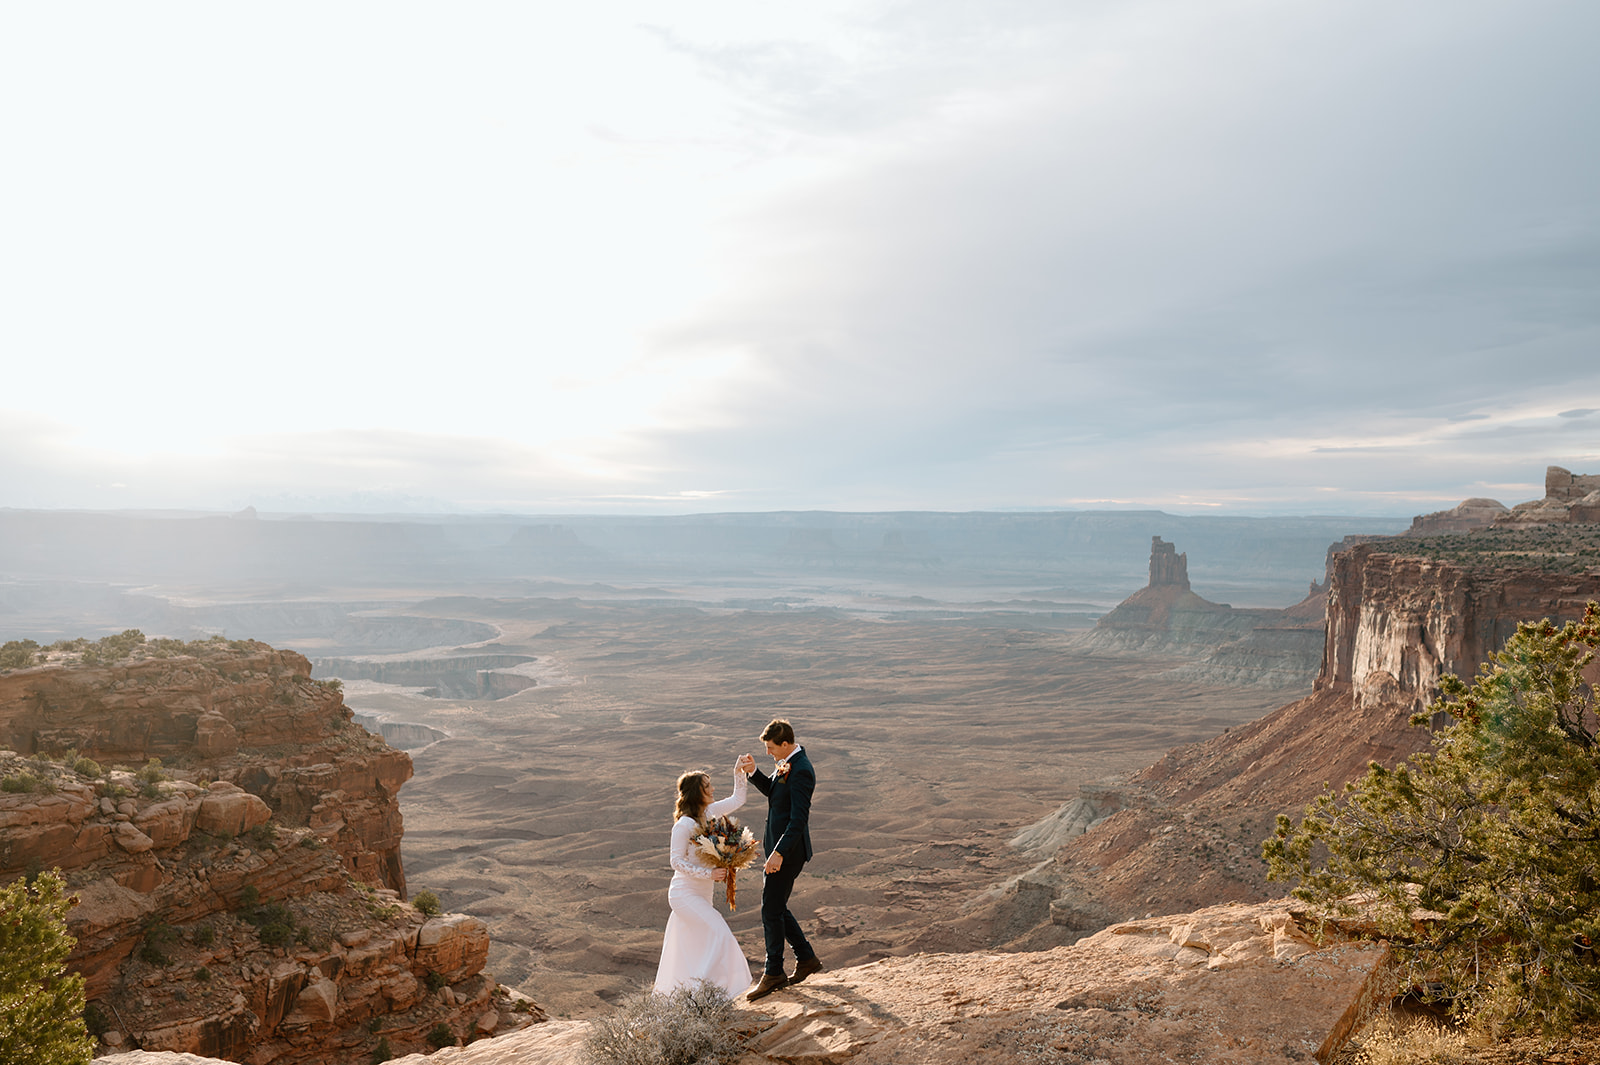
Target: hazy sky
{"x": 1329, "y": 256}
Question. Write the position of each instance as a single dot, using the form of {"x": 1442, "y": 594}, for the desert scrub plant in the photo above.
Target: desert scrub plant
{"x": 427, "y": 904}
{"x": 434, "y": 981}
{"x": 20, "y": 783}
{"x": 1390, "y": 1042}
{"x": 441, "y": 1036}
{"x": 41, "y": 1001}
{"x": 264, "y": 836}
{"x": 692, "y": 1025}
{"x": 18, "y": 654}
{"x": 382, "y": 1052}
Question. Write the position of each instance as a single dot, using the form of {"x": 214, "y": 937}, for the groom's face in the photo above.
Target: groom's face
{"x": 779, "y": 751}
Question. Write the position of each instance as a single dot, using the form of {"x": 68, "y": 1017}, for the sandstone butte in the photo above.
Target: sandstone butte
{"x": 279, "y": 808}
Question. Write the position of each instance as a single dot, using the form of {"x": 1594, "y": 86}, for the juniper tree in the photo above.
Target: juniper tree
{"x": 41, "y": 1003}
{"x": 1479, "y": 858}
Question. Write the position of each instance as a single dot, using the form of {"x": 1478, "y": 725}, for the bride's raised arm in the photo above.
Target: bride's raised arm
{"x": 732, "y": 802}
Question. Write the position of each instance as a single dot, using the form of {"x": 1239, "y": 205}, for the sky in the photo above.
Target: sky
{"x": 1240, "y": 256}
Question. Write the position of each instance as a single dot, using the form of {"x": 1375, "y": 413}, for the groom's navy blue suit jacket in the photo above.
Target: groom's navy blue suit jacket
{"x": 789, "y": 807}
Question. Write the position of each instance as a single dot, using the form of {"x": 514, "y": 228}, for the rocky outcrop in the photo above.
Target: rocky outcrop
{"x": 1251, "y": 985}
{"x": 1567, "y": 487}
{"x": 1222, "y": 644}
{"x": 243, "y": 896}
{"x": 1186, "y": 831}
{"x": 1568, "y": 497}
{"x": 1469, "y": 514}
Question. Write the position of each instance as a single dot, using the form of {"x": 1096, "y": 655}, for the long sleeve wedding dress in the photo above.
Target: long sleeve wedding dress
{"x": 698, "y": 944}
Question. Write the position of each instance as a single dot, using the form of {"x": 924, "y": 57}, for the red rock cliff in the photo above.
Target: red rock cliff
{"x": 247, "y": 714}
{"x": 244, "y": 900}
{"x": 1186, "y": 832}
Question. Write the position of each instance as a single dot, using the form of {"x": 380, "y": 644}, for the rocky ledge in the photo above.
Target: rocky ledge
{"x": 1226, "y": 984}
{"x": 240, "y": 892}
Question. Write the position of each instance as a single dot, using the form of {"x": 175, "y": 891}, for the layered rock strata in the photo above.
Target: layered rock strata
{"x": 244, "y": 897}
{"x": 1187, "y": 830}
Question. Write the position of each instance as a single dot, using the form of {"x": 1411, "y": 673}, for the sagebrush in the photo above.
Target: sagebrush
{"x": 689, "y": 1026}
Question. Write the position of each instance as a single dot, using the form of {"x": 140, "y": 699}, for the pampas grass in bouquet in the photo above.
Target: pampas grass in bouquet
{"x": 723, "y": 843}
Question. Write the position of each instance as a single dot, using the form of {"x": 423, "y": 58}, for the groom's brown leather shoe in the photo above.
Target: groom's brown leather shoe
{"x": 768, "y": 983}
{"x": 803, "y": 969}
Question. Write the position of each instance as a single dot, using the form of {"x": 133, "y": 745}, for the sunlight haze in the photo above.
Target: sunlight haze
{"x": 1331, "y": 257}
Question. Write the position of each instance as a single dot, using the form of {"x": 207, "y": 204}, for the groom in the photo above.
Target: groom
{"x": 788, "y": 843}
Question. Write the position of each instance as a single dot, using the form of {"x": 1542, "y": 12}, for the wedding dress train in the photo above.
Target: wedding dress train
{"x": 698, "y": 944}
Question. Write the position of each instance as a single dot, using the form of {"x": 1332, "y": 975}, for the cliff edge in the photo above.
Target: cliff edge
{"x": 239, "y": 884}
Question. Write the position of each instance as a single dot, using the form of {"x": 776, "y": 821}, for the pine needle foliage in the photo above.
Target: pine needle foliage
{"x": 688, "y": 1026}
{"x": 41, "y": 1003}
{"x": 1479, "y": 858}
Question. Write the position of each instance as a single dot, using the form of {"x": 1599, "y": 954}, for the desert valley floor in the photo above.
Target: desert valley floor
{"x": 936, "y": 737}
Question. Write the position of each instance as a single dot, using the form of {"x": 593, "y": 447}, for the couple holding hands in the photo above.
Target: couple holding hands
{"x": 699, "y": 945}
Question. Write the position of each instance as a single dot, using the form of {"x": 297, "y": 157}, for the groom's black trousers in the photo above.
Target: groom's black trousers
{"x": 776, "y": 920}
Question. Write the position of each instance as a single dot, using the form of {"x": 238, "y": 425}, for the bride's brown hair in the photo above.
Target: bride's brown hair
{"x": 692, "y": 794}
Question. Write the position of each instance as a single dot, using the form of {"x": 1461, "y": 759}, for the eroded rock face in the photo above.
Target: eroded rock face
{"x": 248, "y": 715}
{"x": 1187, "y": 831}
{"x": 251, "y": 908}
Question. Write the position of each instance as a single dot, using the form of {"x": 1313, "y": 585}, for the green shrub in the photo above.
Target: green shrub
{"x": 20, "y": 783}
{"x": 41, "y": 1002}
{"x": 204, "y": 936}
{"x": 1477, "y": 857}
{"x": 152, "y": 772}
{"x": 690, "y": 1026}
{"x": 87, "y": 767}
{"x": 264, "y": 836}
{"x": 427, "y": 903}
{"x": 95, "y": 1020}
{"x": 434, "y": 981}
{"x": 276, "y": 934}
{"x": 18, "y": 654}
{"x": 158, "y": 935}
{"x": 381, "y": 1052}
{"x": 203, "y": 975}
{"x": 441, "y": 1036}
{"x": 249, "y": 896}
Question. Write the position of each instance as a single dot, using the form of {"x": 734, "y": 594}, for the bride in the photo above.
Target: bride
{"x": 699, "y": 945}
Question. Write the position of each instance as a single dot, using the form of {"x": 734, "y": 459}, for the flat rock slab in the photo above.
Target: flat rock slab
{"x": 1235, "y": 983}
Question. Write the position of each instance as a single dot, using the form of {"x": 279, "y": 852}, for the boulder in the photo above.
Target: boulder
{"x": 453, "y": 945}
{"x": 229, "y": 810}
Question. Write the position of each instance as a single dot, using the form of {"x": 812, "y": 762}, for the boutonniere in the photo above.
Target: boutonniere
{"x": 781, "y": 770}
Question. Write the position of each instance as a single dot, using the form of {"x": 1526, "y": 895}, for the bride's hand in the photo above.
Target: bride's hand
{"x": 719, "y": 874}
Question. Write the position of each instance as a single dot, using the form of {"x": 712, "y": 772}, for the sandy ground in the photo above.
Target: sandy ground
{"x": 547, "y": 813}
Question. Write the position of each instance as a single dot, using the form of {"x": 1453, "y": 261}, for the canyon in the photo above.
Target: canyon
{"x": 1177, "y": 729}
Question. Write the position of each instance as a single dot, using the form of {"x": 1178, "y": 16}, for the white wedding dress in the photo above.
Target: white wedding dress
{"x": 699, "y": 945}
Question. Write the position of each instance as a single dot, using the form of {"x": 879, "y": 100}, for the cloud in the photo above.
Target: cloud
{"x": 944, "y": 254}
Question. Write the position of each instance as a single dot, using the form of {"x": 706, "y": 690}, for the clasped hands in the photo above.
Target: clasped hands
{"x": 747, "y": 765}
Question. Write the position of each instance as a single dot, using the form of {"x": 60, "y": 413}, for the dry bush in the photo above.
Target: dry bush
{"x": 1389, "y": 1041}
{"x": 689, "y": 1026}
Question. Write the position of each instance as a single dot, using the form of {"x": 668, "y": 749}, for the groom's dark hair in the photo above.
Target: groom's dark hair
{"x": 779, "y": 731}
